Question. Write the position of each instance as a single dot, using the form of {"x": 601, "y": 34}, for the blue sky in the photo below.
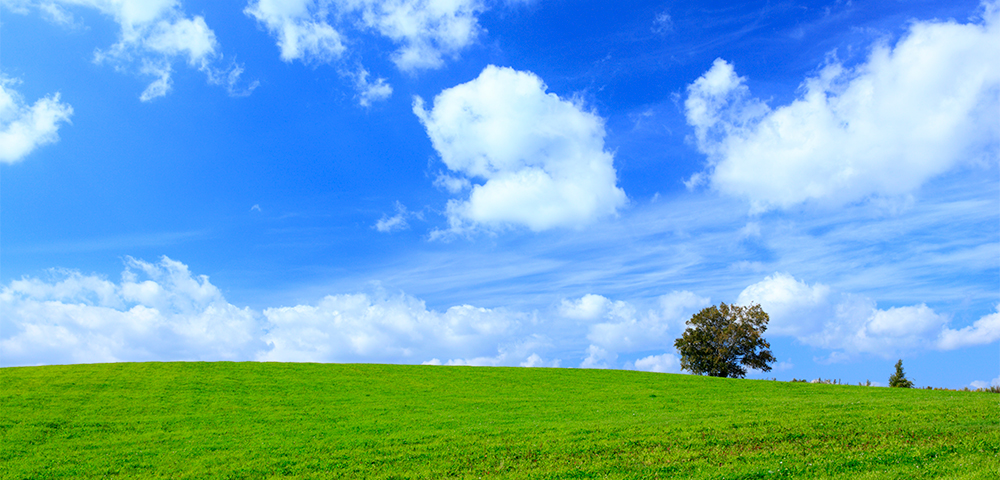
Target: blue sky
{"x": 520, "y": 182}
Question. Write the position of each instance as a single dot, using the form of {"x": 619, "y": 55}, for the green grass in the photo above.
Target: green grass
{"x": 270, "y": 420}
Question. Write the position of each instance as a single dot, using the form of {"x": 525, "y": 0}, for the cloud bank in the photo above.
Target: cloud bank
{"x": 909, "y": 112}
{"x": 540, "y": 159}
{"x": 24, "y": 128}
{"x": 159, "y": 311}
{"x": 851, "y": 324}
{"x": 163, "y": 312}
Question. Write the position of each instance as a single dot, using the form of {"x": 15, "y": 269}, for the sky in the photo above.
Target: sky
{"x": 537, "y": 183}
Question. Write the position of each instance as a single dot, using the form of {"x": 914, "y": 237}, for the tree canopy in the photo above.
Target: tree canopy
{"x": 724, "y": 341}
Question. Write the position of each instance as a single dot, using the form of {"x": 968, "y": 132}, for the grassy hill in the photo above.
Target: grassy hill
{"x": 269, "y": 420}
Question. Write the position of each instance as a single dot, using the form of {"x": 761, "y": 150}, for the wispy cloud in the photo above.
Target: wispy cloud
{"x": 153, "y": 35}
{"x": 940, "y": 250}
{"x": 397, "y": 222}
{"x": 24, "y": 128}
{"x": 426, "y": 32}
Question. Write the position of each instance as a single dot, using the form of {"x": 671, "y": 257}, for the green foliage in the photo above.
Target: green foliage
{"x": 898, "y": 379}
{"x": 721, "y": 341}
{"x": 322, "y": 421}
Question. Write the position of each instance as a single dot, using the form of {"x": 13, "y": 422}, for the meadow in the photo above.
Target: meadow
{"x": 287, "y": 420}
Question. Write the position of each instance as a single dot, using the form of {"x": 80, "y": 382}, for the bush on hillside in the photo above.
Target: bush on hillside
{"x": 898, "y": 379}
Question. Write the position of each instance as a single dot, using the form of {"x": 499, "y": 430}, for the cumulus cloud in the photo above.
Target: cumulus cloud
{"x": 598, "y": 357}
{"x": 587, "y": 307}
{"x": 618, "y": 327}
{"x": 909, "y": 112}
{"x": 159, "y": 311}
{"x": 163, "y": 311}
{"x": 426, "y": 31}
{"x": 795, "y": 308}
{"x": 24, "y": 128}
{"x": 383, "y": 328}
{"x": 623, "y": 329}
{"x": 666, "y": 363}
{"x": 153, "y": 34}
{"x": 300, "y": 27}
{"x": 984, "y": 331}
{"x": 540, "y": 159}
{"x": 981, "y": 384}
{"x": 508, "y": 355}
{"x": 852, "y": 324}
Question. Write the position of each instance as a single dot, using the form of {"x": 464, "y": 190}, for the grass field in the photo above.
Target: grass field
{"x": 269, "y": 420}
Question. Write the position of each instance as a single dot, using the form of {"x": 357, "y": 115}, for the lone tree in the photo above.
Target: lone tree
{"x": 721, "y": 341}
{"x": 899, "y": 379}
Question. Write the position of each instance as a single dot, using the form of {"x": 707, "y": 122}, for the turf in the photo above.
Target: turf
{"x": 270, "y": 420}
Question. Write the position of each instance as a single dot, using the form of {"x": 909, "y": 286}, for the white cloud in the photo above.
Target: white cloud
{"x": 397, "y": 222}
{"x": 170, "y": 315}
{"x": 615, "y": 327}
{"x": 663, "y": 23}
{"x": 159, "y": 87}
{"x": 382, "y": 328}
{"x": 188, "y": 37}
{"x": 816, "y": 315}
{"x": 452, "y": 185}
{"x": 598, "y": 357}
{"x": 542, "y": 158}
{"x": 622, "y": 328}
{"x": 981, "y": 384}
{"x": 153, "y": 33}
{"x": 908, "y": 113}
{"x": 369, "y": 92}
{"x": 587, "y": 307}
{"x": 390, "y": 224}
{"x": 783, "y": 366}
{"x": 24, "y": 128}
{"x": 56, "y": 14}
{"x": 425, "y": 30}
{"x": 666, "y": 363}
{"x": 795, "y": 309}
{"x": 984, "y": 331}
{"x": 300, "y": 27}
{"x": 533, "y": 361}
{"x": 162, "y": 311}
{"x": 508, "y": 355}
